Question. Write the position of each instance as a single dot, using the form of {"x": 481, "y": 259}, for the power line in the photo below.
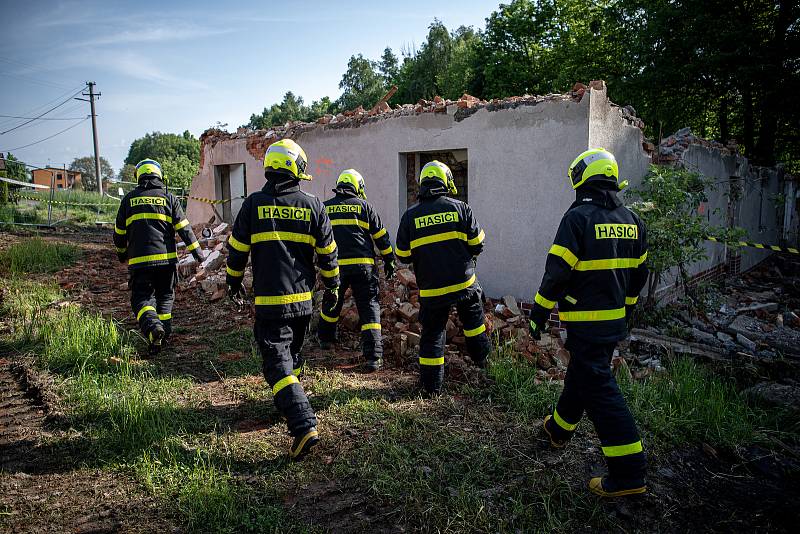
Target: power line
{"x": 35, "y": 110}
{"x": 57, "y": 85}
{"x": 45, "y": 118}
{"x": 61, "y": 114}
{"x": 46, "y": 138}
{"x": 41, "y": 115}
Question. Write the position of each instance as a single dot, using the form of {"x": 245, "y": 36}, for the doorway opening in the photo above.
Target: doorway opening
{"x": 230, "y": 184}
{"x": 411, "y": 164}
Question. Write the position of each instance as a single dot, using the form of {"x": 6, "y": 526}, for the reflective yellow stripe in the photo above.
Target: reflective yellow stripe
{"x": 793, "y": 250}
{"x": 283, "y": 382}
{"x": 331, "y": 273}
{"x": 571, "y": 300}
{"x": 475, "y": 331}
{"x": 478, "y": 239}
{"x": 141, "y": 216}
{"x": 192, "y": 246}
{"x": 183, "y": 224}
{"x": 623, "y": 450}
{"x": 238, "y": 245}
{"x": 326, "y": 250}
{"x": 153, "y": 257}
{"x": 328, "y": 318}
{"x": 380, "y": 233}
{"x": 431, "y": 361}
{"x": 164, "y": 316}
{"x": 357, "y": 261}
{"x": 612, "y": 263}
{"x": 386, "y": 251}
{"x": 592, "y": 315}
{"x": 120, "y": 232}
{"x": 758, "y": 245}
{"x": 233, "y": 272}
{"x": 276, "y": 235}
{"x": 543, "y": 302}
{"x": 121, "y": 250}
{"x": 402, "y": 253}
{"x": 359, "y": 222}
{"x": 565, "y": 254}
{"x": 283, "y": 299}
{"x": 631, "y": 300}
{"x": 775, "y": 247}
{"x": 448, "y": 289}
{"x": 436, "y": 238}
{"x": 144, "y": 310}
{"x": 563, "y": 424}
{"x": 370, "y": 326}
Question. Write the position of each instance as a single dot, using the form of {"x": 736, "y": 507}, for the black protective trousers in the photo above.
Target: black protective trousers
{"x": 433, "y": 339}
{"x": 590, "y": 386}
{"x": 364, "y": 283}
{"x": 152, "y": 295}
{"x": 280, "y": 342}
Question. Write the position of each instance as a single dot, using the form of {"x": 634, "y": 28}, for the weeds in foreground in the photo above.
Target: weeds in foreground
{"x": 35, "y": 255}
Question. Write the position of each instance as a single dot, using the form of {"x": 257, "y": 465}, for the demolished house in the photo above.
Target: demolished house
{"x": 509, "y": 159}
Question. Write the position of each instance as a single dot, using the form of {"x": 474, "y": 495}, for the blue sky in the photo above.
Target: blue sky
{"x": 175, "y": 66}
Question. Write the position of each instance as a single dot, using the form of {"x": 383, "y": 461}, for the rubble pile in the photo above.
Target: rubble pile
{"x": 672, "y": 148}
{"x": 466, "y": 105}
{"x": 754, "y": 321}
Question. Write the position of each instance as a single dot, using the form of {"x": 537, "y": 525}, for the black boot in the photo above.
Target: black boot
{"x": 298, "y": 365}
{"x": 155, "y": 337}
{"x": 608, "y": 487}
{"x": 302, "y": 444}
{"x": 373, "y": 365}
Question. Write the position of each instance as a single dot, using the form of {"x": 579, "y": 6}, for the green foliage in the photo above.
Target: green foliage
{"x": 668, "y": 201}
{"x": 290, "y": 109}
{"x": 689, "y": 404}
{"x": 85, "y": 166}
{"x": 35, "y": 255}
{"x": 127, "y": 173}
{"x": 15, "y": 170}
{"x": 179, "y": 155}
{"x": 361, "y": 84}
{"x": 389, "y": 67}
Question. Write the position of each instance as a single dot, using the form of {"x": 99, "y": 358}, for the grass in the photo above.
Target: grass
{"x": 35, "y": 255}
{"x": 82, "y": 208}
{"x": 130, "y": 418}
{"x": 463, "y": 462}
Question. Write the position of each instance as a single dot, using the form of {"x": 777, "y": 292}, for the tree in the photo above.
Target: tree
{"x": 668, "y": 201}
{"x": 290, "y": 109}
{"x": 179, "y": 155}
{"x": 458, "y": 75}
{"x": 388, "y": 67}
{"x": 85, "y": 166}
{"x": 127, "y": 173}
{"x": 15, "y": 170}
{"x": 361, "y": 85}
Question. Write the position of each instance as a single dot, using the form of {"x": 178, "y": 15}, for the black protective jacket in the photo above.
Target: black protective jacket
{"x": 440, "y": 236}
{"x": 595, "y": 268}
{"x": 357, "y": 230}
{"x": 282, "y": 227}
{"x": 147, "y": 219}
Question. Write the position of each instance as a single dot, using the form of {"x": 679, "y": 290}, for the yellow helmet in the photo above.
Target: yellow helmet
{"x": 594, "y": 163}
{"x": 436, "y": 170}
{"x": 149, "y": 166}
{"x": 286, "y": 155}
{"x": 353, "y": 178}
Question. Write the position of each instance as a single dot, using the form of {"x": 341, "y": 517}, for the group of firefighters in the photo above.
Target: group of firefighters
{"x": 594, "y": 272}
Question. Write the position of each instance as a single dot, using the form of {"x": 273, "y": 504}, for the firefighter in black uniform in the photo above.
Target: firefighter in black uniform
{"x": 282, "y": 228}
{"x": 356, "y": 227}
{"x": 144, "y": 235}
{"x": 595, "y": 271}
{"x": 442, "y": 239}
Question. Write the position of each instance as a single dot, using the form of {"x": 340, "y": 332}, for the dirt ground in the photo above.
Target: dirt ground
{"x": 46, "y": 488}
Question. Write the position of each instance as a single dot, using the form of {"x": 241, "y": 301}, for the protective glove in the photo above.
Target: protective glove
{"x": 330, "y": 298}
{"x": 236, "y": 292}
{"x": 389, "y": 268}
{"x": 535, "y": 330}
{"x": 200, "y": 255}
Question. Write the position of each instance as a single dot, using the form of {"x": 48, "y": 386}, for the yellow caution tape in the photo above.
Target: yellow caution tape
{"x": 762, "y": 246}
{"x": 212, "y": 200}
{"x": 37, "y": 199}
